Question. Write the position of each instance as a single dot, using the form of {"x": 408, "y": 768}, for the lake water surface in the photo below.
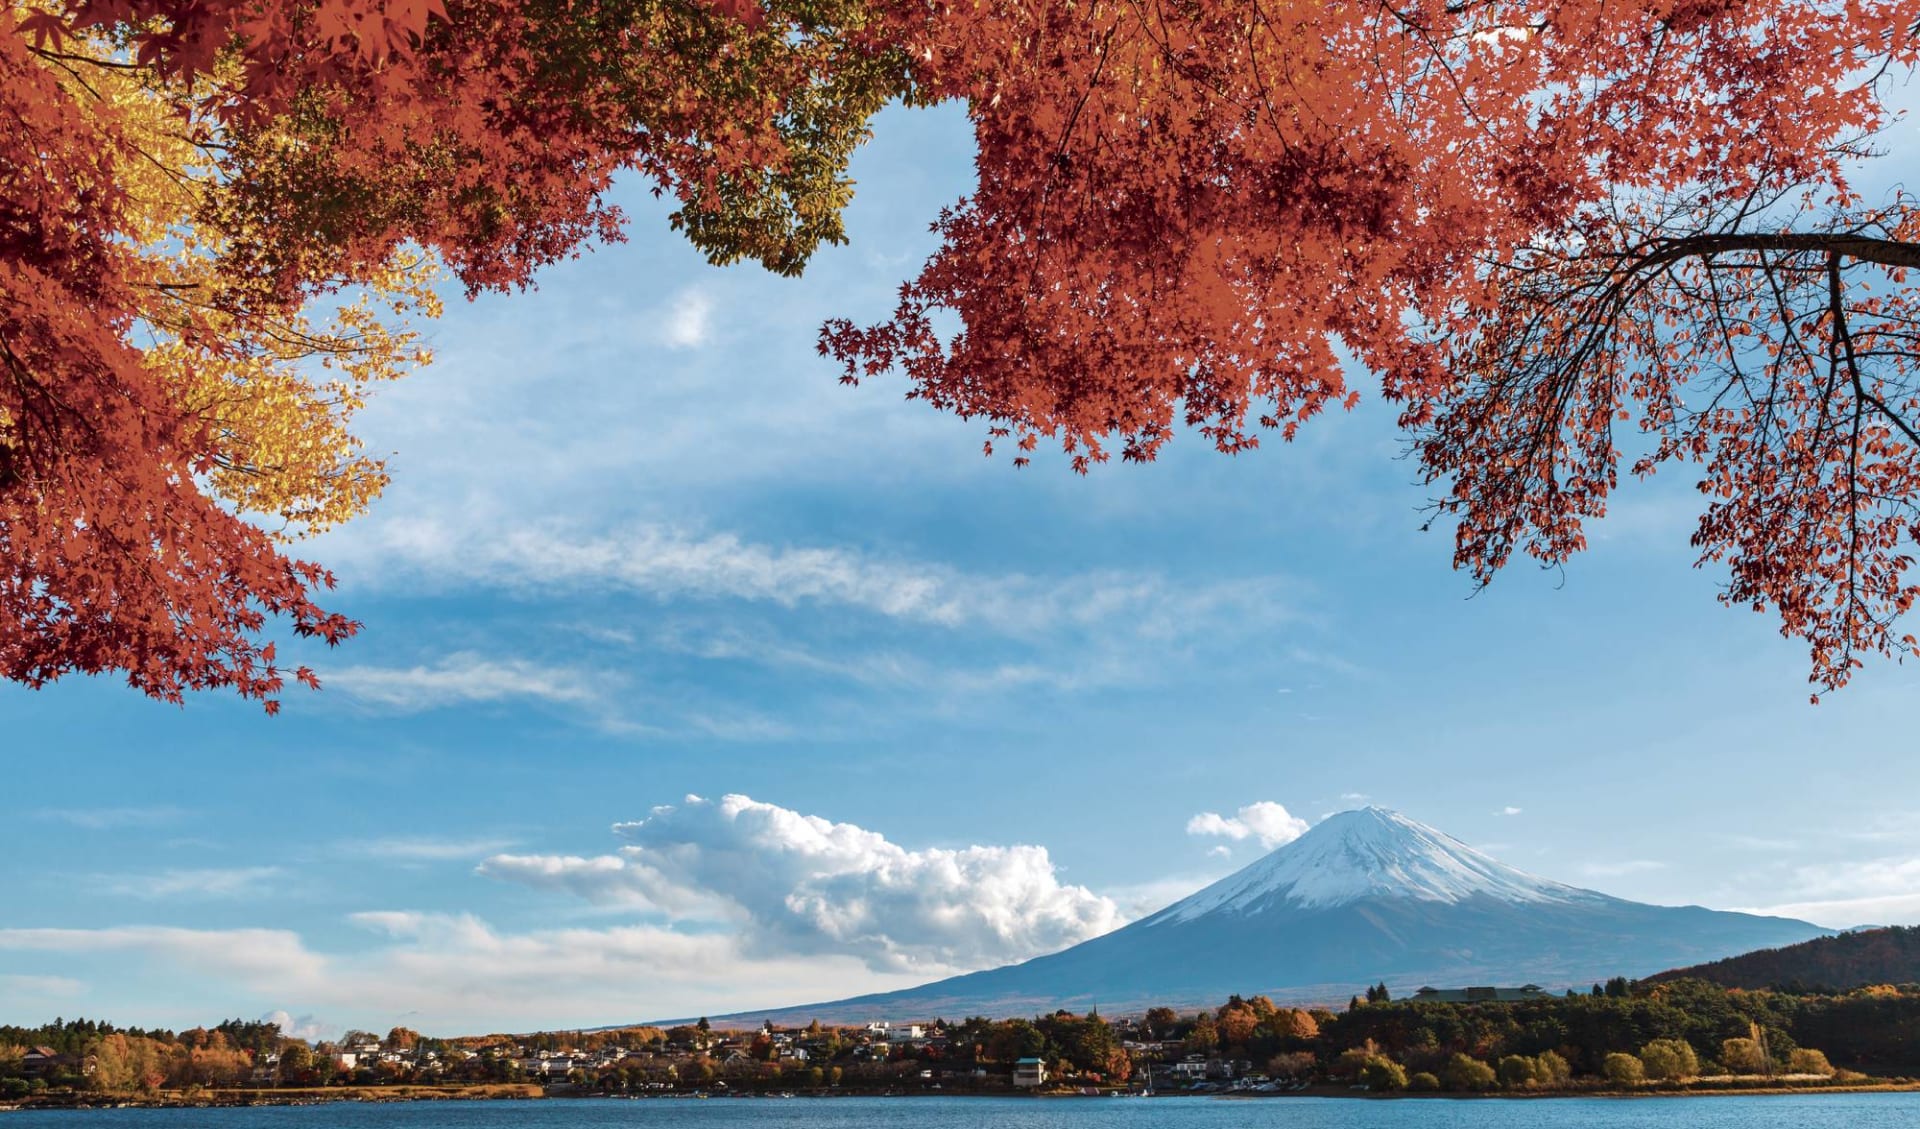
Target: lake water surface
{"x": 1810, "y": 1111}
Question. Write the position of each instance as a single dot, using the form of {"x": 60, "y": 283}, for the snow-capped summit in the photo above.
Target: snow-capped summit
{"x": 1363, "y": 897}
{"x": 1367, "y": 853}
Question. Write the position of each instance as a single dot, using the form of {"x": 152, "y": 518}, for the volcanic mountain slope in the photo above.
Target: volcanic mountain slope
{"x": 1364, "y": 896}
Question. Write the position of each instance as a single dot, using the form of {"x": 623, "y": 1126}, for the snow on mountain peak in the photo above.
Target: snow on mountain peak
{"x": 1368, "y": 853}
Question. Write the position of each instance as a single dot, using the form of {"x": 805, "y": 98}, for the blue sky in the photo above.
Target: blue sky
{"x": 642, "y": 546}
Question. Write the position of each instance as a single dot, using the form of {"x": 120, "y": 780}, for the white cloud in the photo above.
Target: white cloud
{"x": 688, "y": 321}
{"x": 1877, "y": 891}
{"x": 1266, "y": 821}
{"x": 1844, "y": 913}
{"x": 197, "y": 883}
{"x": 302, "y": 1027}
{"x": 460, "y": 679}
{"x": 252, "y": 955}
{"x": 1508, "y": 810}
{"x": 795, "y": 884}
{"x": 449, "y": 974}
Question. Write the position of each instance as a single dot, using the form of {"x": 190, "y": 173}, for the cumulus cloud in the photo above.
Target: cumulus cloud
{"x": 1264, "y": 820}
{"x": 461, "y": 679}
{"x": 795, "y": 884}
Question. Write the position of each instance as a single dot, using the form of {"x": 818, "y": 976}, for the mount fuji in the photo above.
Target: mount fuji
{"x": 1362, "y": 897}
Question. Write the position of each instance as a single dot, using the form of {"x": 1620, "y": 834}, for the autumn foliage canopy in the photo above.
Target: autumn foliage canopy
{"x": 218, "y": 216}
{"x": 1561, "y": 234}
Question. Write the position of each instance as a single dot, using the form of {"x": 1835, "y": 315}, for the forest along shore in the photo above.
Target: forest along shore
{"x": 1621, "y": 1037}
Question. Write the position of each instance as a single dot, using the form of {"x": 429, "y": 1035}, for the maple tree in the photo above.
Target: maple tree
{"x": 1562, "y": 232}
{"x": 220, "y": 216}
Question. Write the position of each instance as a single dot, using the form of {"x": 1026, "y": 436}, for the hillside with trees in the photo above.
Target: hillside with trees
{"x": 1825, "y": 964}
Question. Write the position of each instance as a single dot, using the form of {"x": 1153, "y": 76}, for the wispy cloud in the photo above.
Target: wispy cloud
{"x": 264, "y": 955}
{"x": 1140, "y": 899}
{"x": 42, "y": 987}
{"x": 1621, "y": 868}
{"x": 463, "y": 679}
{"x": 1845, "y": 913}
{"x": 457, "y": 971}
{"x": 421, "y": 849}
{"x": 668, "y": 562}
{"x": 114, "y": 819}
{"x": 207, "y": 883}
{"x": 1840, "y": 894}
{"x": 1886, "y": 827}
{"x": 1760, "y": 842}
{"x": 898, "y": 669}
{"x": 1508, "y": 810}
{"x": 688, "y": 321}
{"x": 1327, "y": 661}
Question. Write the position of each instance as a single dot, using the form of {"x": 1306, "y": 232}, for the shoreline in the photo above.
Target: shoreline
{"x": 244, "y": 1098}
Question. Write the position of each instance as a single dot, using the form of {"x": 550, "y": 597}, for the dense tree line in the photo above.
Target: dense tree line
{"x": 1620, "y": 1034}
{"x": 1874, "y": 1030}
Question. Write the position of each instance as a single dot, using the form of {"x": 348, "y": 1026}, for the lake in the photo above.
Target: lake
{"x": 1809, "y": 1111}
